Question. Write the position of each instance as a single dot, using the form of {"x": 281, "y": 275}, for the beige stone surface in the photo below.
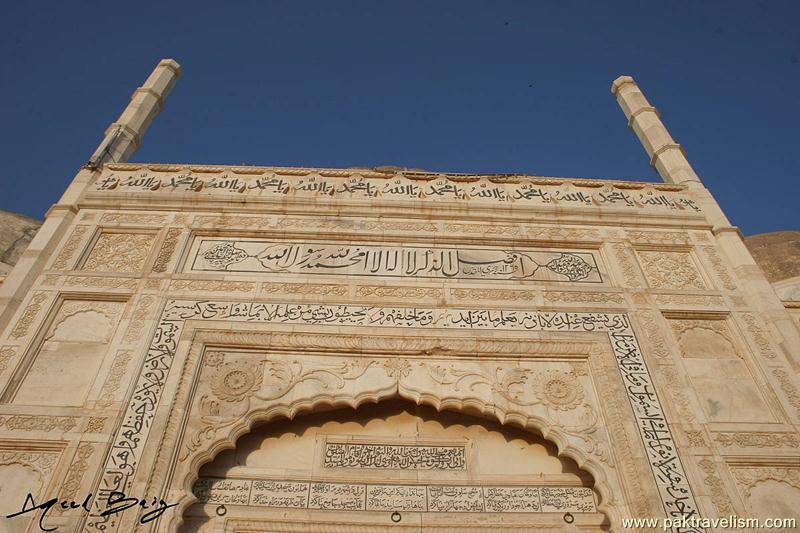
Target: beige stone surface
{"x": 310, "y": 349}
{"x": 16, "y": 232}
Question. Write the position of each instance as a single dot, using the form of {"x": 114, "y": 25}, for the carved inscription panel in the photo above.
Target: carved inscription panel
{"x": 358, "y": 259}
{"x": 395, "y": 497}
{"x": 394, "y": 456}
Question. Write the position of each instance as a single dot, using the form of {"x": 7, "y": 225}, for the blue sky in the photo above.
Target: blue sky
{"x": 447, "y": 86}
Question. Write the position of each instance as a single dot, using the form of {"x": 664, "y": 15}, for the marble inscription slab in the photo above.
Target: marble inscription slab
{"x": 394, "y": 456}
{"x": 338, "y": 496}
{"x": 274, "y": 257}
{"x": 395, "y": 497}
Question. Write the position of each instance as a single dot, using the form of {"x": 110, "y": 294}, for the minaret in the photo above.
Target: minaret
{"x": 123, "y": 136}
{"x": 122, "y": 139}
{"x": 670, "y": 161}
{"x": 666, "y": 155}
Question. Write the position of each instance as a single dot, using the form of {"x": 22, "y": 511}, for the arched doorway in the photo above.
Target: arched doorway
{"x": 392, "y": 466}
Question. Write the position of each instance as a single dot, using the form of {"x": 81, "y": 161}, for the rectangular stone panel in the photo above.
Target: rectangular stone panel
{"x": 396, "y": 498}
{"x": 564, "y": 499}
{"x": 512, "y": 499}
{"x": 394, "y": 457}
{"x": 224, "y": 491}
{"x": 337, "y": 496}
{"x": 269, "y": 493}
{"x": 455, "y": 499}
{"x": 214, "y": 254}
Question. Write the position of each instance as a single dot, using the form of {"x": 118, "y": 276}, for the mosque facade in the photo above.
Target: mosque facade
{"x": 271, "y": 349}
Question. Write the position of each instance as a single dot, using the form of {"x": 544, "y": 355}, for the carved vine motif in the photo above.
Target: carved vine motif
{"x": 383, "y": 291}
{"x": 139, "y": 316}
{"x": 133, "y": 219}
{"x": 689, "y": 300}
{"x": 554, "y": 389}
{"x": 119, "y": 252}
{"x": 239, "y": 381}
{"x": 96, "y": 424}
{"x": 584, "y": 297}
{"x": 114, "y": 379}
{"x": 654, "y": 336}
{"x": 625, "y": 262}
{"x": 29, "y": 315}
{"x": 69, "y": 249}
{"x": 167, "y": 249}
{"x": 210, "y": 285}
{"x": 757, "y": 334}
{"x": 658, "y": 237}
{"x": 718, "y": 494}
{"x": 670, "y": 270}
{"x": 788, "y": 388}
{"x": 752, "y": 439}
{"x": 79, "y": 466}
{"x": 696, "y": 439}
{"x": 305, "y": 288}
{"x": 719, "y": 267}
{"x": 38, "y": 422}
{"x": 6, "y": 354}
{"x": 106, "y": 283}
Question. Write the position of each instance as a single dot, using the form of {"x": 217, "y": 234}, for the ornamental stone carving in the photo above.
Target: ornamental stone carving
{"x": 670, "y": 270}
{"x": 119, "y": 252}
{"x": 235, "y": 381}
{"x": 166, "y": 250}
{"x": 717, "y": 488}
{"x": 64, "y": 257}
{"x": 559, "y": 390}
{"x": 752, "y": 439}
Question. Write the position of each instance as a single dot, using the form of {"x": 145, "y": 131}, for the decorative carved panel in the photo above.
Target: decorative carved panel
{"x": 670, "y": 270}
{"x": 217, "y": 254}
{"x": 119, "y": 252}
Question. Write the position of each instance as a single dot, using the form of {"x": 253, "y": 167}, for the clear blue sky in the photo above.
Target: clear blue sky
{"x": 450, "y": 86}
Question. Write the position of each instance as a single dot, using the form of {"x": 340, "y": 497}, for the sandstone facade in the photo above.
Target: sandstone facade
{"x": 307, "y": 349}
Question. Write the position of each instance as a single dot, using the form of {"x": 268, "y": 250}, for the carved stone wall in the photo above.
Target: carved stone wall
{"x": 604, "y": 335}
